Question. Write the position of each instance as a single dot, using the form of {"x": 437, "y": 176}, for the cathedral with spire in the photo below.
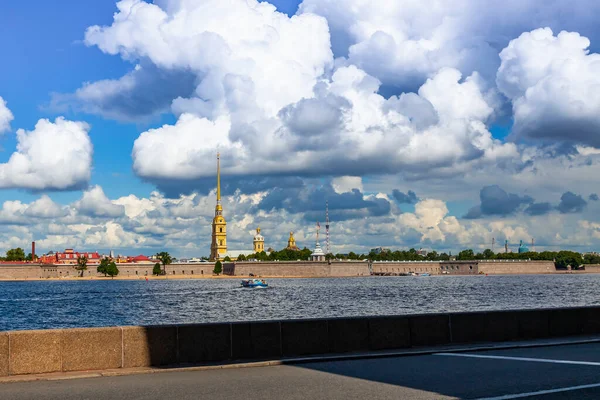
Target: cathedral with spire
{"x": 218, "y": 247}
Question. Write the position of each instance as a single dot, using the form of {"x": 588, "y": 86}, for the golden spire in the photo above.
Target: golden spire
{"x": 218, "y": 179}
{"x": 258, "y": 230}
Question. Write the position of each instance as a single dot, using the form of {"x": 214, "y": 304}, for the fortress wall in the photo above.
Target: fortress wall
{"x": 590, "y": 269}
{"x": 297, "y": 268}
{"x": 142, "y": 270}
{"x": 46, "y": 271}
{"x": 474, "y": 267}
{"x": 500, "y": 267}
{"x": 349, "y": 268}
{"x": 397, "y": 267}
{"x": 460, "y": 267}
{"x": 88, "y": 349}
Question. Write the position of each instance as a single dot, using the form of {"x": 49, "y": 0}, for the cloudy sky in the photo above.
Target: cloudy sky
{"x": 433, "y": 124}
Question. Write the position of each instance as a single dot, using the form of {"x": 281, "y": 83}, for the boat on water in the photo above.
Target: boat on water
{"x": 254, "y": 283}
{"x": 425, "y": 274}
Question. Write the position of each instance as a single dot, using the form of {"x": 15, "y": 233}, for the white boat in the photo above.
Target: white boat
{"x": 251, "y": 283}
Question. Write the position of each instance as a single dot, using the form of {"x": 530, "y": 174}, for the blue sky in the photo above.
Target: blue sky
{"x": 43, "y": 43}
{"x": 350, "y": 99}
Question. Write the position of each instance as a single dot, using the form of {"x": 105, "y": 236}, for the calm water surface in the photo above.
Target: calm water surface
{"x": 40, "y": 305}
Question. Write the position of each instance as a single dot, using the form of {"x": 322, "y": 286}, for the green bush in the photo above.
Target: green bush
{"x": 112, "y": 270}
{"x": 218, "y": 268}
{"x": 157, "y": 270}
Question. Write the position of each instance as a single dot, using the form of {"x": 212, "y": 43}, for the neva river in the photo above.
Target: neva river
{"x": 62, "y": 304}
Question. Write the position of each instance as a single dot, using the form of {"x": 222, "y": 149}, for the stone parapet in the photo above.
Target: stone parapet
{"x": 131, "y": 270}
{"x": 307, "y": 269}
{"x": 83, "y": 349}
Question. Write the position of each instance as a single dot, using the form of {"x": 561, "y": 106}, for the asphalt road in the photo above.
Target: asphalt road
{"x": 561, "y": 372}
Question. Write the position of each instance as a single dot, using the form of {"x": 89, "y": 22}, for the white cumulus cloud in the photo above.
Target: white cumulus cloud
{"x": 5, "y": 116}
{"x": 553, "y": 83}
{"x": 271, "y": 100}
{"x": 54, "y": 156}
{"x": 95, "y": 203}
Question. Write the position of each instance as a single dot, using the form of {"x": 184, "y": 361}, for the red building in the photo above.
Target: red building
{"x": 140, "y": 259}
{"x": 69, "y": 256}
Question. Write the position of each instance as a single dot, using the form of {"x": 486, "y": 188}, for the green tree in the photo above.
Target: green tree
{"x": 81, "y": 265}
{"x": 103, "y": 266}
{"x": 15, "y": 254}
{"x": 227, "y": 259}
{"x": 218, "y": 268}
{"x": 157, "y": 270}
{"x": 241, "y": 257}
{"x": 488, "y": 254}
{"x": 568, "y": 258}
{"x": 165, "y": 259}
{"x": 591, "y": 259}
{"x": 466, "y": 255}
{"x": 112, "y": 269}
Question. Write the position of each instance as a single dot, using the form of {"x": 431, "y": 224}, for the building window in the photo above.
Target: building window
{"x": 192, "y": 272}
{"x": 173, "y": 272}
{"x": 182, "y": 272}
{"x": 220, "y": 229}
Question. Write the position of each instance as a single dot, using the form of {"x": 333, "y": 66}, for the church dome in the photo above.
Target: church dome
{"x": 258, "y": 237}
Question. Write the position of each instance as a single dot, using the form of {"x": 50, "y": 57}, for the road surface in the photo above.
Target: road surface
{"x": 559, "y": 372}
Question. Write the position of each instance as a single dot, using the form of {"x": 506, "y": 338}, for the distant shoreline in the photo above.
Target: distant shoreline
{"x": 229, "y": 277}
{"x": 156, "y": 278}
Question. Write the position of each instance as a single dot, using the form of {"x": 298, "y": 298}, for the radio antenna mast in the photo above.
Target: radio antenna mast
{"x": 327, "y": 226}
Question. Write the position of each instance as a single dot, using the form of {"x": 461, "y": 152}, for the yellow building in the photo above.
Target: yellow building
{"x": 292, "y": 242}
{"x": 259, "y": 242}
{"x": 218, "y": 246}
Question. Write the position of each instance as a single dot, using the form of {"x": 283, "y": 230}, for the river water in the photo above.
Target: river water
{"x": 67, "y": 304}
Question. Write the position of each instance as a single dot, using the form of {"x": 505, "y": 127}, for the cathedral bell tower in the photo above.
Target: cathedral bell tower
{"x": 218, "y": 247}
{"x": 258, "y": 242}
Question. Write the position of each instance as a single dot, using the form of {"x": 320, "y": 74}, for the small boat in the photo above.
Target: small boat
{"x": 254, "y": 283}
{"x": 425, "y": 274}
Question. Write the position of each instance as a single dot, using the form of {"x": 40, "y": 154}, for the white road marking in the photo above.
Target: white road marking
{"x": 542, "y": 360}
{"x": 550, "y": 391}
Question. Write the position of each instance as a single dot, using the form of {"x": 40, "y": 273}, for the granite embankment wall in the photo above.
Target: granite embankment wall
{"x": 298, "y": 268}
{"x": 590, "y": 269}
{"x": 475, "y": 267}
{"x": 34, "y": 352}
{"x": 508, "y": 267}
{"x": 43, "y": 271}
{"x": 402, "y": 267}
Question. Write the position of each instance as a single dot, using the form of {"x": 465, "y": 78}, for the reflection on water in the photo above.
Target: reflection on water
{"x": 40, "y": 305}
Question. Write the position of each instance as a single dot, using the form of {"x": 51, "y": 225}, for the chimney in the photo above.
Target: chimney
{"x": 32, "y": 251}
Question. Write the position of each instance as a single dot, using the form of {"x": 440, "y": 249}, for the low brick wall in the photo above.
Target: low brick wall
{"x": 404, "y": 267}
{"x": 33, "y": 352}
{"x": 508, "y": 267}
{"x": 37, "y": 271}
{"x": 589, "y": 268}
{"x": 471, "y": 267}
{"x": 297, "y": 268}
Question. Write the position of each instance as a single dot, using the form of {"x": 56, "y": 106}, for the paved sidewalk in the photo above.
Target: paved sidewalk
{"x": 569, "y": 371}
{"x": 55, "y": 376}
{"x": 547, "y": 369}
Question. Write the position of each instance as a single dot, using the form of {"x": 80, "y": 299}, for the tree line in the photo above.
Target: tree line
{"x": 17, "y": 254}
{"x": 562, "y": 258}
